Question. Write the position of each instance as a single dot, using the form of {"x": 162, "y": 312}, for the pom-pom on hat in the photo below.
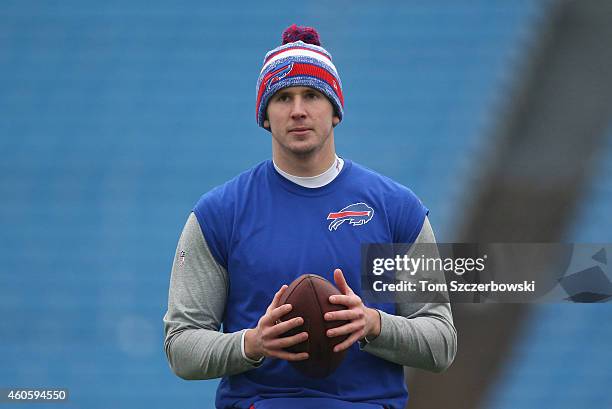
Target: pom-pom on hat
{"x": 299, "y": 61}
{"x": 306, "y": 34}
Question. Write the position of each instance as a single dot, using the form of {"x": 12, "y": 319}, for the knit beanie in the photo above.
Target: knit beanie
{"x": 299, "y": 61}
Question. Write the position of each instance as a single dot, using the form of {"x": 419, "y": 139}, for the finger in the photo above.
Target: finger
{"x": 344, "y": 330}
{"x": 286, "y": 342}
{"x": 348, "y": 342}
{"x": 343, "y": 315}
{"x": 348, "y": 300}
{"x": 341, "y": 282}
{"x": 276, "y": 300}
{"x": 274, "y": 315}
{"x": 283, "y": 327}
{"x": 288, "y": 356}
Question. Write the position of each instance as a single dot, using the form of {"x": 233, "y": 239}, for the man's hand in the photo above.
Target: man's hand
{"x": 266, "y": 340}
{"x": 364, "y": 321}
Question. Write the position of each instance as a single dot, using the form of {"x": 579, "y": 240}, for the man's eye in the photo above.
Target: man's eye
{"x": 283, "y": 98}
{"x": 312, "y": 96}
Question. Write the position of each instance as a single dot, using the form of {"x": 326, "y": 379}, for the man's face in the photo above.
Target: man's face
{"x": 301, "y": 120}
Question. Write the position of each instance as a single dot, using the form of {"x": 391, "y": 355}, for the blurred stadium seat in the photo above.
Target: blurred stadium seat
{"x": 563, "y": 356}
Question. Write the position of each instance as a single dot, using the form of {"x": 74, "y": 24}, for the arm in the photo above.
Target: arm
{"x": 196, "y": 301}
{"x": 422, "y": 335}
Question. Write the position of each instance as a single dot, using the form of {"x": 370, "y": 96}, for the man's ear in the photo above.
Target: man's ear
{"x": 335, "y": 120}
{"x": 266, "y": 124}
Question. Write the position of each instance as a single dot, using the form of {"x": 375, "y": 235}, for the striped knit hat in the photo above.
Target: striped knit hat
{"x": 299, "y": 61}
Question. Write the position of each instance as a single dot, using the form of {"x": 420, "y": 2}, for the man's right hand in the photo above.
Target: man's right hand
{"x": 266, "y": 340}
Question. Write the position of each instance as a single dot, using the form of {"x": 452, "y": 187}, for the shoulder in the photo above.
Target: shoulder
{"x": 216, "y": 209}
{"x": 229, "y": 191}
{"x": 383, "y": 185}
{"x": 403, "y": 209}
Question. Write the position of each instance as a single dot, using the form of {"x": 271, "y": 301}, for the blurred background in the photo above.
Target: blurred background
{"x": 116, "y": 116}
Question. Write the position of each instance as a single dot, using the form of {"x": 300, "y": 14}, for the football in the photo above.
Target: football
{"x": 309, "y": 296}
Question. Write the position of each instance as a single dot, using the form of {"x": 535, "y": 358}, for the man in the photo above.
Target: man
{"x": 249, "y": 238}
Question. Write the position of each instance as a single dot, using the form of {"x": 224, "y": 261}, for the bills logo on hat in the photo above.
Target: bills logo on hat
{"x": 356, "y": 214}
{"x": 278, "y": 74}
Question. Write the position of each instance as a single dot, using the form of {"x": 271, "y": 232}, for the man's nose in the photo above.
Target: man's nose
{"x": 297, "y": 108}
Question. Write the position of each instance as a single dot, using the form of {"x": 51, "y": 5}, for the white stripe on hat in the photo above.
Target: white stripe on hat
{"x": 296, "y": 52}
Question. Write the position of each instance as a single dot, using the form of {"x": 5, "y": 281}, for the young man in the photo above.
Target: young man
{"x": 249, "y": 238}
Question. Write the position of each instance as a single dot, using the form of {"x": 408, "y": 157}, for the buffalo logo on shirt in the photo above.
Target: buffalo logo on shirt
{"x": 356, "y": 214}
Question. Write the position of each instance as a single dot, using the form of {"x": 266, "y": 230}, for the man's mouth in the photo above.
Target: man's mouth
{"x": 299, "y": 130}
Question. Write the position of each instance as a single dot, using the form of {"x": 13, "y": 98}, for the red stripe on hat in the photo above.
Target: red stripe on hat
{"x": 296, "y": 48}
{"x": 303, "y": 69}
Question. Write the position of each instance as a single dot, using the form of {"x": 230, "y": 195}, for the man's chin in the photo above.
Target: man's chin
{"x": 302, "y": 150}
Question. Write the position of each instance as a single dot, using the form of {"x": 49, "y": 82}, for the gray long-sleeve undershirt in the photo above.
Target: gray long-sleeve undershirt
{"x": 420, "y": 336}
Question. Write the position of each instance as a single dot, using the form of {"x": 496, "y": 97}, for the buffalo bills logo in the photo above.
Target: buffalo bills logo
{"x": 278, "y": 74}
{"x": 356, "y": 214}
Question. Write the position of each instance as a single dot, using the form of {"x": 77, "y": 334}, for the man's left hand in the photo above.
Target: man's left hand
{"x": 364, "y": 321}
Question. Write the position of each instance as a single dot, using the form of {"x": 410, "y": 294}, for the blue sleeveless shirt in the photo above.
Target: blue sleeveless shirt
{"x": 266, "y": 231}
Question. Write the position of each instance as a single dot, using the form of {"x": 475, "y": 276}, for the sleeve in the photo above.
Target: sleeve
{"x": 422, "y": 335}
{"x": 196, "y": 302}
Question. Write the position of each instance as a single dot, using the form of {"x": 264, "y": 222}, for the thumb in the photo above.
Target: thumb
{"x": 341, "y": 282}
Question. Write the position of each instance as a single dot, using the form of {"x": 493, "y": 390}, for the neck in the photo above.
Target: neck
{"x": 311, "y": 164}
{"x": 313, "y": 182}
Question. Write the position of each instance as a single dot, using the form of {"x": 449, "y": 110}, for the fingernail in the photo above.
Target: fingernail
{"x": 328, "y": 316}
{"x": 330, "y": 333}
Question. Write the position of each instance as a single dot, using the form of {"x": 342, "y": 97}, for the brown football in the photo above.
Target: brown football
{"x": 309, "y": 296}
